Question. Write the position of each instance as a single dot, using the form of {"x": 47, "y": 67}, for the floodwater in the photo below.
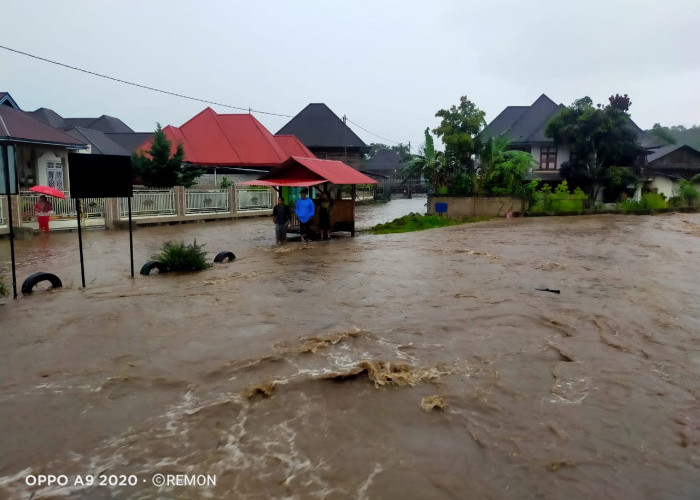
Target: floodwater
{"x": 413, "y": 366}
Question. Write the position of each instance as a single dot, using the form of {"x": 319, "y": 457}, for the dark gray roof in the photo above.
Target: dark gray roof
{"x": 18, "y": 126}
{"x": 105, "y": 123}
{"x": 130, "y": 141}
{"x": 667, "y": 150}
{"x": 7, "y": 100}
{"x": 504, "y": 120}
{"x": 316, "y": 126}
{"x": 385, "y": 160}
{"x": 50, "y": 117}
{"x": 649, "y": 141}
{"x": 525, "y": 124}
{"x": 101, "y": 144}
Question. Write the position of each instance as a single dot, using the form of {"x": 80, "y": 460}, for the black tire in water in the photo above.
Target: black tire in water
{"x": 221, "y": 256}
{"x": 151, "y": 265}
{"x": 34, "y": 279}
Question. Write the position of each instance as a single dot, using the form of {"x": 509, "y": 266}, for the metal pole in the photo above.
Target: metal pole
{"x": 131, "y": 240}
{"x": 80, "y": 241}
{"x": 6, "y": 168}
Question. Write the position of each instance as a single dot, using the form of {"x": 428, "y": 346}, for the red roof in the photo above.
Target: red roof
{"x": 230, "y": 140}
{"x": 297, "y": 171}
{"x": 293, "y": 146}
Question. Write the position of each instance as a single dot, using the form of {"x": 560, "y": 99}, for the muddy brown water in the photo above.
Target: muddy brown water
{"x": 418, "y": 365}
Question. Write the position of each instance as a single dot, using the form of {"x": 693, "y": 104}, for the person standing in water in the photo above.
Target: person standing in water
{"x": 305, "y": 210}
{"x": 43, "y": 210}
{"x": 281, "y": 216}
{"x": 324, "y": 216}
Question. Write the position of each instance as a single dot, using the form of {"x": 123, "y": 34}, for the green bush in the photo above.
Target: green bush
{"x": 181, "y": 257}
{"x": 688, "y": 192}
{"x": 3, "y": 288}
{"x": 649, "y": 201}
{"x": 561, "y": 200}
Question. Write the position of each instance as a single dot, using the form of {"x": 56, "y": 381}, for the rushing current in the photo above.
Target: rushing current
{"x": 547, "y": 358}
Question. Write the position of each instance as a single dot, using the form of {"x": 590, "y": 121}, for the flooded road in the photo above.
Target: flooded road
{"x": 417, "y": 365}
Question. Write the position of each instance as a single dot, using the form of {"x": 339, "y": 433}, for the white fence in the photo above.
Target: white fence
{"x": 2, "y": 211}
{"x": 203, "y": 201}
{"x": 254, "y": 199}
{"x": 149, "y": 203}
{"x": 90, "y": 207}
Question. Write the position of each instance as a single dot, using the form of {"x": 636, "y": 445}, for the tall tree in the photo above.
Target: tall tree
{"x": 599, "y": 137}
{"x": 459, "y": 130}
{"x": 157, "y": 168}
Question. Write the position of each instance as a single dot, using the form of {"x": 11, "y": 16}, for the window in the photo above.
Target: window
{"x": 55, "y": 175}
{"x": 548, "y": 158}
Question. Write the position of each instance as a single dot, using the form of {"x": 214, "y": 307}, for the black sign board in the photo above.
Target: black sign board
{"x": 100, "y": 176}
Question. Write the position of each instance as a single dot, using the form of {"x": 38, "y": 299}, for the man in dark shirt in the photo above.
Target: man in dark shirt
{"x": 281, "y": 216}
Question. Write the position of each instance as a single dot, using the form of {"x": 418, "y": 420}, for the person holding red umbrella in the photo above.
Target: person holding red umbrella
{"x": 43, "y": 210}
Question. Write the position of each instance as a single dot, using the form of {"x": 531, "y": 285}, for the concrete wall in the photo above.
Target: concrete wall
{"x": 475, "y": 206}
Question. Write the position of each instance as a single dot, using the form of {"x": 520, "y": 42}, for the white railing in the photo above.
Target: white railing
{"x": 2, "y": 211}
{"x": 149, "y": 203}
{"x": 254, "y": 199}
{"x": 90, "y": 207}
{"x": 199, "y": 201}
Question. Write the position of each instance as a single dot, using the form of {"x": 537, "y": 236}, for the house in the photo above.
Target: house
{"x": 525, "y": 126}
{"x": 668, "y": 165}
{"x": 385, "y": 163}
{"x": 41, "y": 151}
{"x": 326, "y": 135}
{"x": 237, "y": 145}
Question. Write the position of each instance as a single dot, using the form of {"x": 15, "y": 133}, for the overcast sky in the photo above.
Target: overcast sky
{"x": 387, "y": 65}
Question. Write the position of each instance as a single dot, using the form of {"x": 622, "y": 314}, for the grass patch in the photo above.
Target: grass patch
{"x": 4, "y": 291}
{"x": 417, "y": 222}
{"x": 181, "y": 257}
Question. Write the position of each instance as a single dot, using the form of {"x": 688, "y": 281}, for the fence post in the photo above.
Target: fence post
{"x": 16, "y": 207}
{"x": 112, "y": 214}
{"x": 5, "y": 208}
{"x": 179, "y": 201}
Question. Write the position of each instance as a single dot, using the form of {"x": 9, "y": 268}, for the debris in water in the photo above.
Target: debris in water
{"x": 431, "y": 403}
{"x": 312, "y": 344}
{"x": 265, "y": 390}
{"x": 386, "y": 373}
{"x": 548, "y": 290}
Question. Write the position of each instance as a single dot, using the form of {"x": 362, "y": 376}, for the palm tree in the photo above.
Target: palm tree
{"x": 428, "y": 164}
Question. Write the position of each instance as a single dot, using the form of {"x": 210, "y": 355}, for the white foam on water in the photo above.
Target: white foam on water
{"x": 362, "y": 490}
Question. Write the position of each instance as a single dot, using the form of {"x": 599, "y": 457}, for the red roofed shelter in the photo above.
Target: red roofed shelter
{"x": 297, "y": 172}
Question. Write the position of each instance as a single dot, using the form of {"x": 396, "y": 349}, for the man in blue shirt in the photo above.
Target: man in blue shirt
{"x": 305, "y": 211}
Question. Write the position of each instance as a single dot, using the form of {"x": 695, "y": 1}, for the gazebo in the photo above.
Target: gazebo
{"x": 297, "y": 172}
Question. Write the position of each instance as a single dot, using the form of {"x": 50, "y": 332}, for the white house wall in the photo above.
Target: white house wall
{"x": 664, "y": 186}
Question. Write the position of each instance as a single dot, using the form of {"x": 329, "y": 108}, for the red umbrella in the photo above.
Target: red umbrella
{"x": 48, "y": 190}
